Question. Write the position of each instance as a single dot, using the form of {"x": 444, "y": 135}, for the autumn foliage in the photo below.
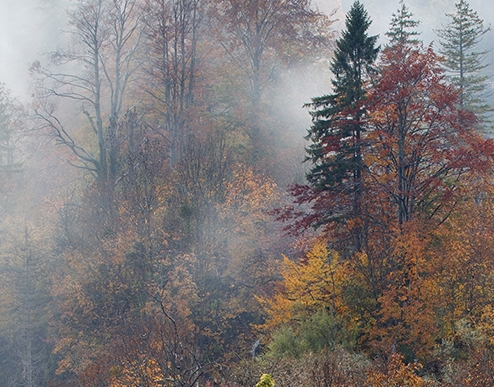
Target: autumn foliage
{"x": 174, "y": 255}
{"x": 413, "y": 285}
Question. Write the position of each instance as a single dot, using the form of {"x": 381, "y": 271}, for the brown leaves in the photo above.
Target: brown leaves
{"x": 397, "y": 374}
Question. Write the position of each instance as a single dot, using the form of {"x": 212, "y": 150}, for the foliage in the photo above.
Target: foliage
{"x": 307, "y": 312}
{"x": 157, "y": 261}
{"x": 266, "y": 381}
{"x": 401, "y": 22}
{"x": 11, "y": 126}
{"x": 397, "y": 374}
{"x": 417, "y": 172}
{"x": 327, "y": 368}
{"x": 320, "y": 331}
{"x": 420, "y": 140}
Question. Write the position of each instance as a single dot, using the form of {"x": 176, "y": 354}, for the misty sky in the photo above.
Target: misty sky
{"x": 30, "y": 27}
{"x": 431, "y": 14}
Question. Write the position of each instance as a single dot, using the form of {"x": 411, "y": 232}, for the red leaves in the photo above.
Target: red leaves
{"x": 421, "y": 156}
{"x": 420, "y": 141}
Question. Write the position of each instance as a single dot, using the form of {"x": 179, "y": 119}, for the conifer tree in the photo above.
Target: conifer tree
{"x": 464, "y": 61}
{"x": 336, "y": 133}
{"x": 401, "y": 28}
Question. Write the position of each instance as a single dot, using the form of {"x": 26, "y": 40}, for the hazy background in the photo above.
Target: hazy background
{"x": 30, "y": 27}
{"x": 431, "y": 14}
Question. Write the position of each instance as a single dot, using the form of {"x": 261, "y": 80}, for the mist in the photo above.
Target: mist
{"x": 432, "y": 16}
{"x": 31, "y": 28}
{"x": 141, "y": 232}
{"x": 28, "y": 30}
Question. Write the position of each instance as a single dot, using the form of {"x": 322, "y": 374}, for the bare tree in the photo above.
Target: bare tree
{"x": 28, "y": 353}
{"x": 24, "y": 301}
{"x": 92, "y": 78}
{"x": 173, "y": 33}
{"x": 258, "y": 35}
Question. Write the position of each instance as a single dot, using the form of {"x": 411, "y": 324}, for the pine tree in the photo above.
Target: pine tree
{"x": 401, "y": 25}
{"x": 464, "y": 62}
{"x": 336, "y": 133}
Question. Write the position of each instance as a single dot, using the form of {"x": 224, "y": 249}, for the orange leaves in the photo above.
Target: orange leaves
{"x": 463, "y": 257}
{"x": 142, "y": 371}
{"x": 397, "y": 374}
{"x": 407, "y": 298}
{"x": 250, "y": 194}
{"x": 425, "y": 259}
{"x": 247, "y": 227}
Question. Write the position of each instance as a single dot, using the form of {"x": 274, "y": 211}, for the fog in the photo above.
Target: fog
{"x": 29, "y": 28}
{"x": 135, "y": 247}
{"x": 431, "y": 14}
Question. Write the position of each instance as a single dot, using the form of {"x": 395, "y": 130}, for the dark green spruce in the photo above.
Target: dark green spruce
{"x": 336, "y": 133}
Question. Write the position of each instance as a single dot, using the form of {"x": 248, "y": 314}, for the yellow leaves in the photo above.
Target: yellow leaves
{"x": 409, "y": 295}
{"x": 266, "y": 381}
{"x": 250, "y": 193}
{"x": 279, "y": 308}
{"x": 180, "y": 291}
{"x": 313, "y": 281}
{"x": 140, "y": 372}
{"x": 486, "y": 323}
{"x": 313, "y": 284}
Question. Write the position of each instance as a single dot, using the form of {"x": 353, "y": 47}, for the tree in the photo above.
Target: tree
{"x": 30, "y": 304}
{"x": 401, "y": 22}
{"x": 336, "y": 133}
{"x": 419, "y": 159}
{"x": 96, "y": 75}
{"x": 308, "y": 310}
{"x": 7, "y": 129}
{"x": 10, "y": 127}
{"x": 459, "y": 42}
{"x": 259, "y": 36}
{"x": 173, "y": 31}
{"x": 23, "y": 303}
{"x": 396, "y": 373}
{"x": 420, "y": 140}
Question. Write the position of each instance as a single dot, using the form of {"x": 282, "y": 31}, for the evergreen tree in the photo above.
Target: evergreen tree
{"x": 401, "y": 25}
{"x": 336, "y": 133}
{"x": 464, "y": 62}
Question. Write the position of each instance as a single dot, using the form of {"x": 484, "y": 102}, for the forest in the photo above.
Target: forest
{"x": 173, "y": 215}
